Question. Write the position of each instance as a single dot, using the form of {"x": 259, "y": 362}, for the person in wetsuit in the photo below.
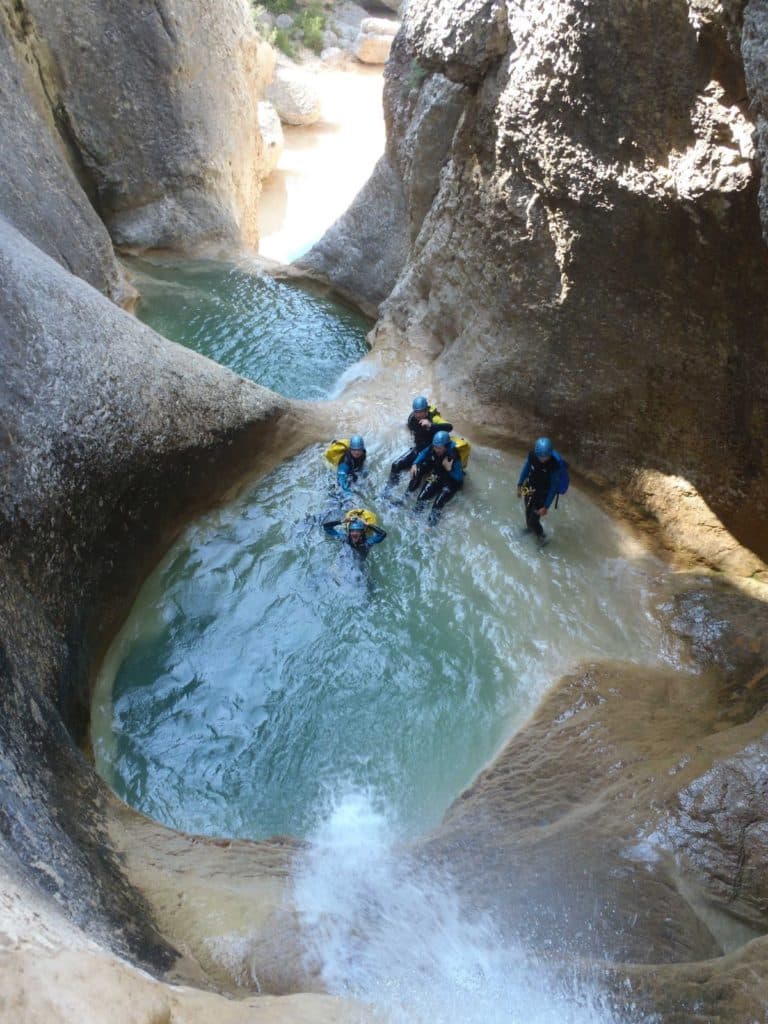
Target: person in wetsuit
{"x": 351, "y": 464}
{"x": 537, "y": 484}
{"x": 424, "y": 422}
{"x": 438, "y": 471}
{"x": 360, "y": 536}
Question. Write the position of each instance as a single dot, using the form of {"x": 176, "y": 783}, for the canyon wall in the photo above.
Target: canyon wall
{"x": 588, "y": 261}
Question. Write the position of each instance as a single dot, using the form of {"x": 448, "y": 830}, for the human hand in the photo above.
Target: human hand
{"x": 541, "y": 512}
{"x": 414, "y": 471}
{"x": 447, "y": 464}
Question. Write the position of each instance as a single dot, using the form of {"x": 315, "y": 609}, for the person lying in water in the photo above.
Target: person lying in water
{"x": 359, "y": 535}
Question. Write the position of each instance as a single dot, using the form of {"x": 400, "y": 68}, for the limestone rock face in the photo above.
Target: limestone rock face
{"x": 365, "y": 251}
{"x": 158, "y": 104}
{"x": 272, "y": 137}
{"x": 105, "y": 429}
{"x": 294, "y": 96}
{"x": 39, "y": 190}
{"x": 591, "y": 265}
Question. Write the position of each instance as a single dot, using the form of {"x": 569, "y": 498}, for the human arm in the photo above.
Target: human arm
{"x": 438, "y": 423}
{"x": 523, "y": 475}
{"x": 452, "y": 465}
{"x": 331, "y": 528}
{"x": 374, "y": 535}
{"x": 342, "y": 476}
{"x": 418, "y": 462}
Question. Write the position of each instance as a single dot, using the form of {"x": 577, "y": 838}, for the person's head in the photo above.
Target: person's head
{"x": 421, "y": 407}
{"x": 543, "y": 449}
{"x": 440, "y": 441}
{"x": 356, "y": 530}
{"x": 357, "y": 445}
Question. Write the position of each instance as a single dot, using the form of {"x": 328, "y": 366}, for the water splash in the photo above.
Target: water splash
{"x": 391, "y": 932}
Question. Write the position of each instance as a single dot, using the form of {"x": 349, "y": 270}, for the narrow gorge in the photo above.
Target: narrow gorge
{"x": 565, "y": 235}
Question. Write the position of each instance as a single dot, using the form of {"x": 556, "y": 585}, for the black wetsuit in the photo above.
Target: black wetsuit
{"x": 423, "y": 431}
{"x": 441, "y": 483}
{"x": 541, "y": 478}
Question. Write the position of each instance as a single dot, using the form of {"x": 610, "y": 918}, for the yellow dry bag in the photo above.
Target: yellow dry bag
{"x": 336, "y": 450}
{"x": 463, "y": 447}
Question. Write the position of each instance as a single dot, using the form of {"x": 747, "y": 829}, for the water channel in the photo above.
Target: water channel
{"x": 265, "y": 682}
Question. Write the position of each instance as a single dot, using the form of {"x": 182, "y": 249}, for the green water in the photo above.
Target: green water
{"x": 262, "y": 671}
{"x": 279, "y": 334}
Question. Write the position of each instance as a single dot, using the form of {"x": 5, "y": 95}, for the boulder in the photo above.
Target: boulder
{"x": 379, "y": 26}
{"x": 272, "y": 137}
{"x": 372, "y": 49}
{"x": 614, "y": 214}
{"x": 294, "y": 96}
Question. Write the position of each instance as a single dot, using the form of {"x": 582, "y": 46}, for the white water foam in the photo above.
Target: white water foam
{"x": 391, "y": 933}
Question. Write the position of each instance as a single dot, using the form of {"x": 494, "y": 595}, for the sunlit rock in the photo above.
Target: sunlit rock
{"x": 294, "y": 96}
{"x": 374, "y": 42}
{"x": 272, "y": 136}
{"x": 158, "y": 109}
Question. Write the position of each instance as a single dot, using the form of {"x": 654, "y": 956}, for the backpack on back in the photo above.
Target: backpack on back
{"x": 563, "y": 477}
{"x": 463, "y": 448}
{"x": 336, "y": 450}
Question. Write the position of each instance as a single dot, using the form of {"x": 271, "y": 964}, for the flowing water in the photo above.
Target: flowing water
{"x": 266, "y": 681}
{"x": 395, "y": 935}
{"x": 262, "y": 669}
{"x": 277, "y": 333}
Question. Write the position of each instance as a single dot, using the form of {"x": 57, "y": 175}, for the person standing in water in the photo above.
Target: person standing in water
{"x": 424, "y": 422}
{"x": 539, "y": 483}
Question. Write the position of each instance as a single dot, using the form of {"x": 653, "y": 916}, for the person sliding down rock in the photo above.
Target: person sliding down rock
{"x": 438, "y": 470}
{"x": 544, "y": 475}
{"x": 424, "y": 422}
{"x": 359, "y": 535}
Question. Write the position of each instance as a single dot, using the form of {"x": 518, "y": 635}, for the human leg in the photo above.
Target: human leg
{"x": 401, "y": 463}
{"x": 532, "y": 520}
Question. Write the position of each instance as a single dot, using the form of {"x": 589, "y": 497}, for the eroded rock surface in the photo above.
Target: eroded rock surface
{"x": 158, "y": 106}
{"x": 591, "y": 265}
{"x": 39, "y": 191}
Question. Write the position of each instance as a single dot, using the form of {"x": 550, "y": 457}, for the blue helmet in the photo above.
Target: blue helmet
{"x": 543, "y": 448}
{"x": 356, "y": 441}
{"x": 420, "y": 403}
{"x": 356, "y": 524}
{"x": 442, "y": 438}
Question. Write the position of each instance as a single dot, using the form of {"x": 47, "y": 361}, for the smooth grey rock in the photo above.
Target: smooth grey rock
{"x": 379, "y": 26}
{"x": 108, "y": 435}
{"x": 39, "y": 190}
{"x": 594, "y": 239}
{"x": 160, "y": 107}
{"x": 364, "y": 251}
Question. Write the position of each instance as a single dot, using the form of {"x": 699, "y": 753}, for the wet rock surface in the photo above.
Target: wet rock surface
{"x": 592, "y": 265}
{"x": 577, "y": 235}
